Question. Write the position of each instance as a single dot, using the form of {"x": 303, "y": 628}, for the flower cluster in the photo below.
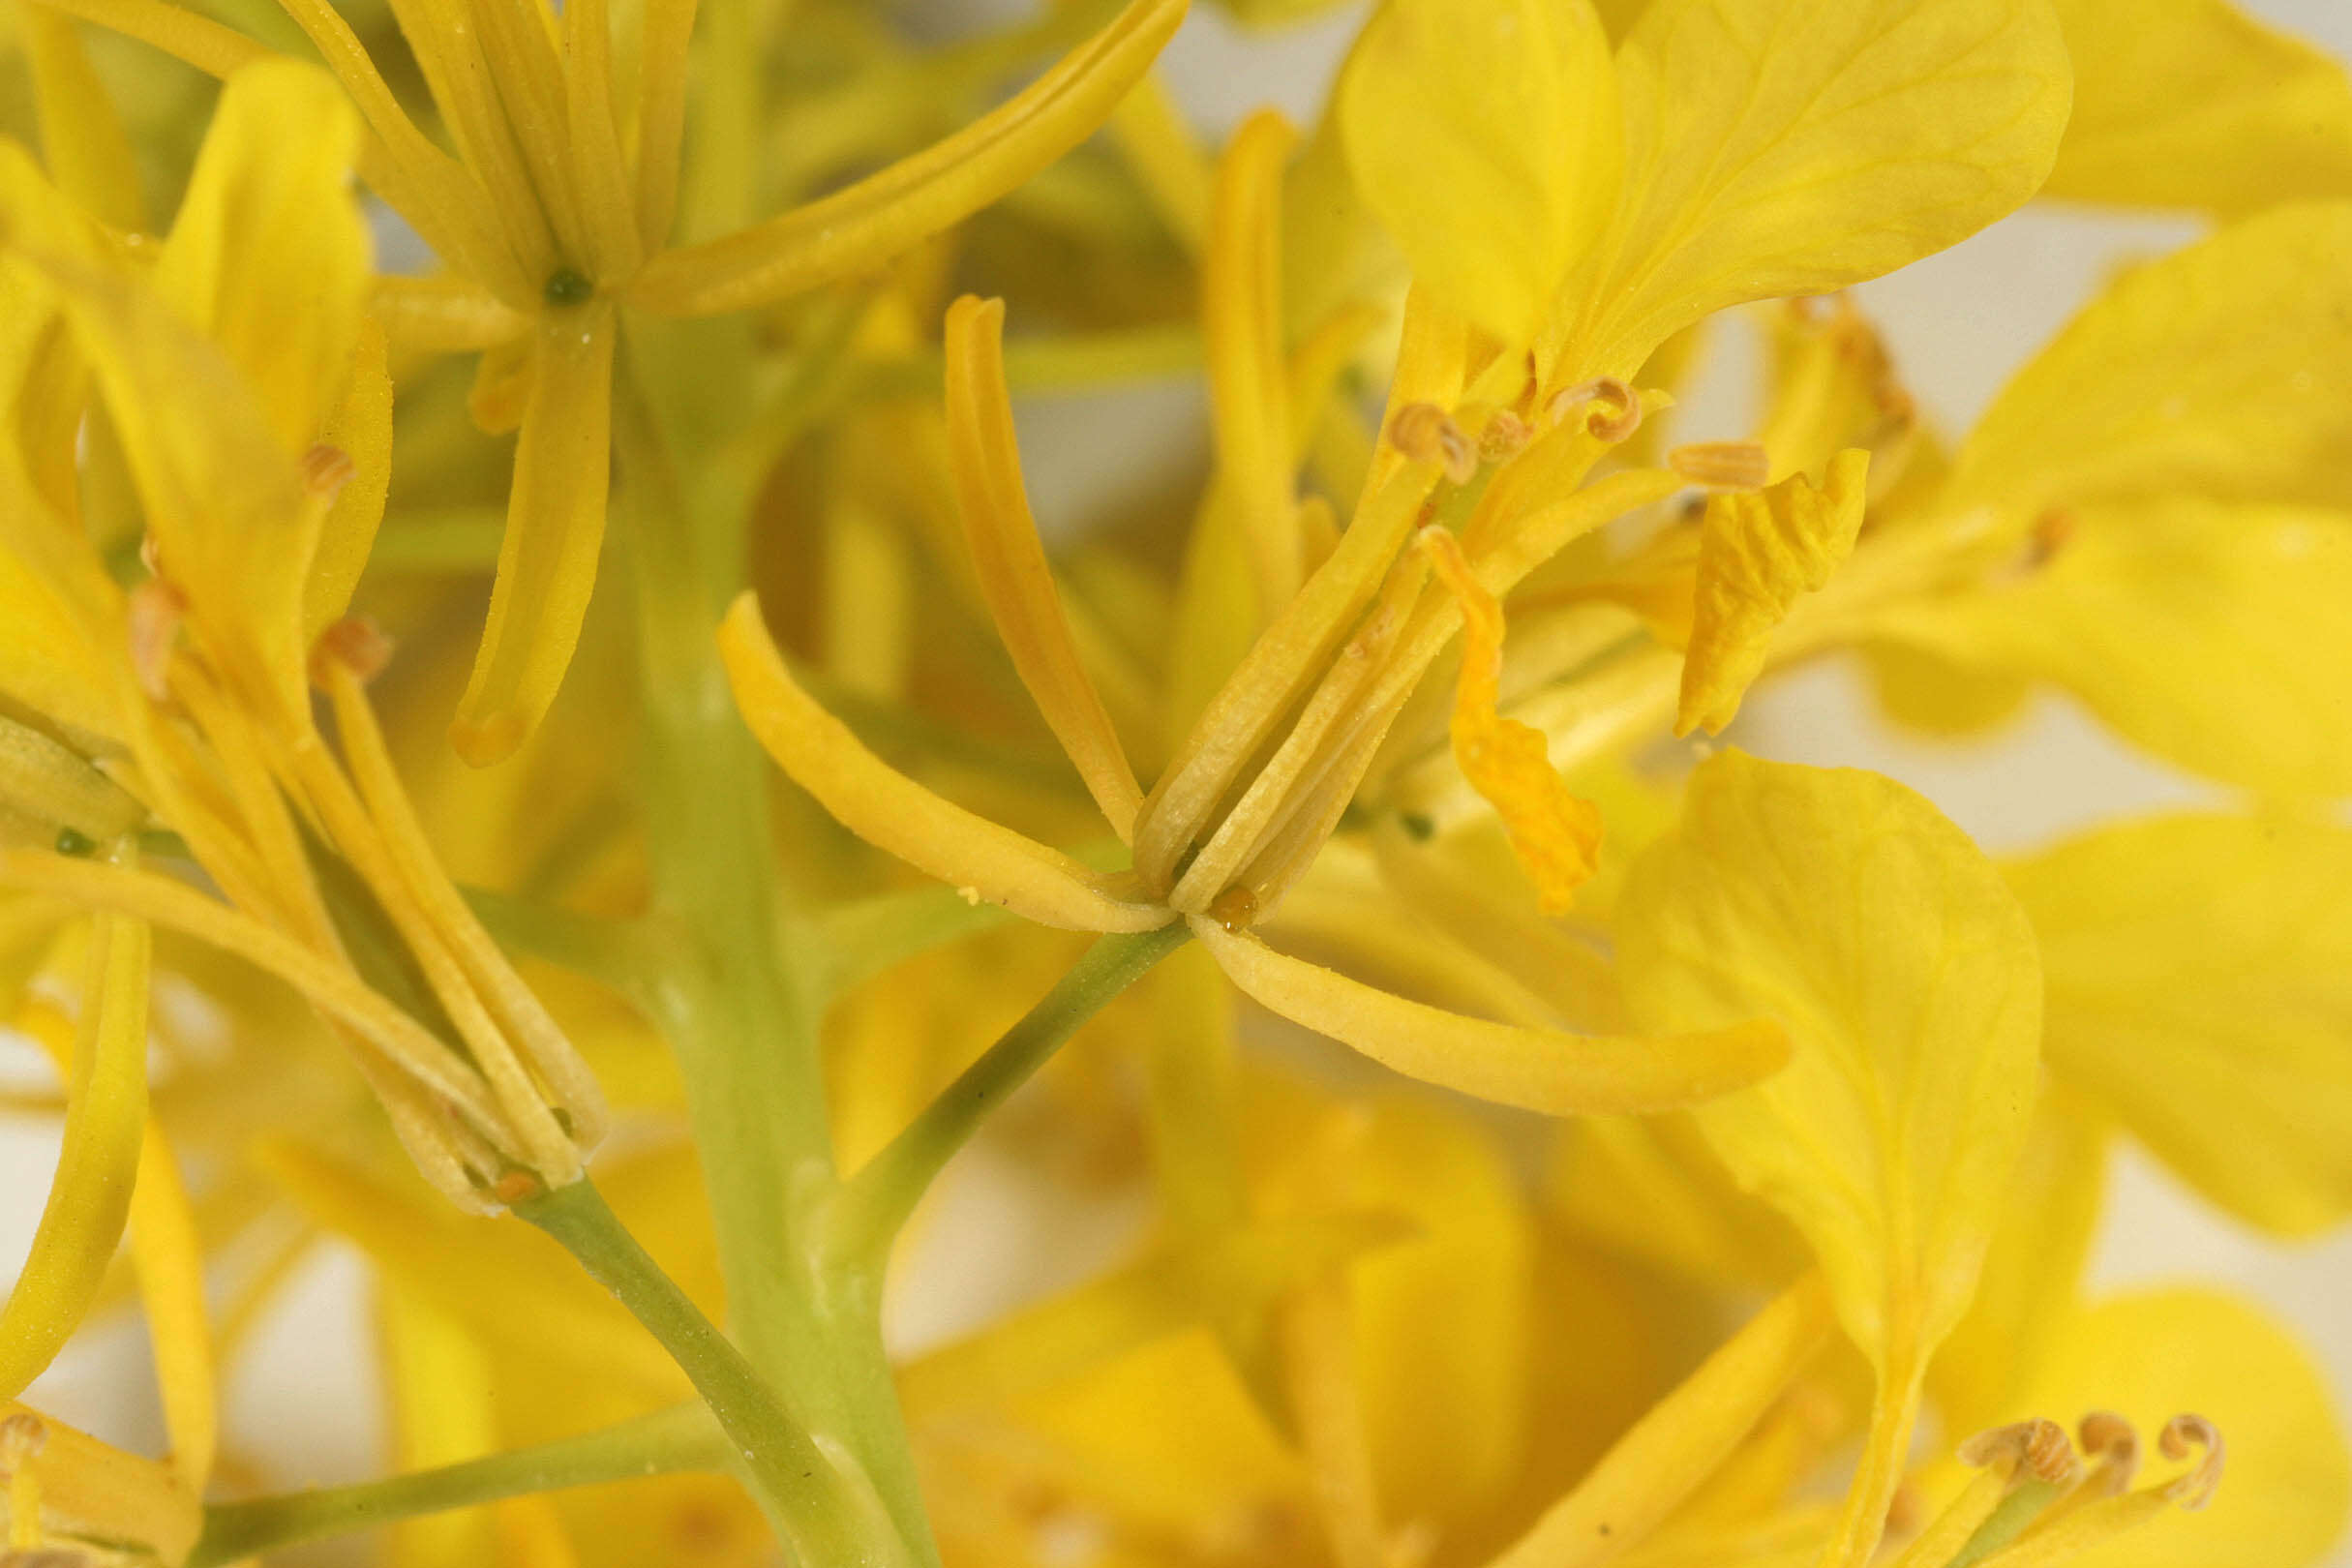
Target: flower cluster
{"x": 1724, "y": 1142}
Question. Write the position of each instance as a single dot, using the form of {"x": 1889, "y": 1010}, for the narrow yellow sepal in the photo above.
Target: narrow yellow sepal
{"x": 1249, "y": 382}
{"x": 1540, "y": 1070}
{"x": 985, "y": 460}
{"x": 885, "y": 213}
{"x": 360, "y": 427}
{"x": 1758, "y": 550}
{"x": 554, "y": 527}
{"x": 895, "y": 814}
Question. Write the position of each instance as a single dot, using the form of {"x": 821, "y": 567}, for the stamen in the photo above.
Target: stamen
{"x": 2195, "y": 1489}
{"x": 355, "y": 643}
{"x": 1428, "y": 433}
{"x": 2112, "y": 1440}
{"x": 1618, "y": 410}
{"x": 22, "y": 1436}
{"x": 325, "y": 471}
{"x": 154, "y": 611}
{"x": 1727, "y": 464}
{"x": 1505, "y": 436}
{"x": 2039, "y": 1447}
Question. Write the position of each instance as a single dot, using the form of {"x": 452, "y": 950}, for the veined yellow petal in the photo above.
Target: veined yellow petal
{"x": 170, "y": 1252}
{"x": 2195, "y": 104}
{"x": 93, "y": 1491}
{"x": 1667, "y": 1453}
{"x": 97, "y": 1162}
{"x": 598, "y": 167}
{"x": 1555, "y": 834}
{"x": 985, "y": 459}
{"x": 881, "y": 215}
{"x": 893, "y": 812}
{"x": 2151, "y": 1356}
{"x": 1540, "y": 1070}
{"x": 2199, "y": 987}
{"x": 1758, "y": 550}
{"x": 440, "y": 1381}
{"x": 81, "y": 137}
{"x": 2204, "y": 631}
{"x": 554, "y": 527}
{"x": 359, "y": 428}
{"x": 269, "y": 256}
{"x": 1844, "y": 906}
{"x": 1487, "y": 140}
{"x": 1795, "y": 146}
{"x": 1242, "y": 324}
{"x": 2171, "y": 384}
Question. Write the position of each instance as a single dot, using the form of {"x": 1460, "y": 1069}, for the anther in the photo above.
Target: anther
{"x": 355, "y": 643}
{"x": 2195, "y": 1489}
{"x": 566, "y": 286}
{"x": 153, "y": 612}
{"x": 327, "y": 469}
{"x": 1504, "y": 436}
{"x": 1428, "y": 433}
{"x": 1616, "y": 412}
{"x": 1726, "y": 465}
{"x": 2039, "y": 1447}
{"x": 2113, "y": 1441}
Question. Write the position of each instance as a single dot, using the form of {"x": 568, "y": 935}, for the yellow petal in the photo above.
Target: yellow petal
{"x": 2031, "y": 1287}
{"x": 360, "y": 427}
{"x": 1555, "y": 835}
{"x": 1010, "y": 559}
{"x": 1758, "y": 550}
{"x": 554, "y": 526}
{"x": 2200, "y": 987}
{"x": 893, "y": 813}
{"x": 269, "y": 256}
{"x": 1069, "y": 1335}
{"x": 2172, "y": 381}
{"x": 1652, "y": 1188}
{"x": 438, "y": 1380}
{"x": 2149, "y": 1356}
{"x": 2195, "y": 104}
{"x": 53, "y": 787}
{"x": 874, "y": 220}
{"x": 81, "y": 137}
{"x": 1795, "y": 146}
{"x": 1844, "y": 906}
{"x": 1486, "y": 139}
{"x": 97, "y": 1165}
{"x": 2207, "y": 632}
{"x": 1656, "y": 1466}
{"x": 1540, "y": 1070}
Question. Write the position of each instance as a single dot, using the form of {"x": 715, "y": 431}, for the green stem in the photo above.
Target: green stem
{"x": 664, "y": 1443}
{"x": 740, "y": 1020}
{"x": 879, "y": 1199}
{"x": 828, "y": 1515}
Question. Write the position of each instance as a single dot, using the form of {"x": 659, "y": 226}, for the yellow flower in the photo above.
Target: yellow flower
{"x": 557, "y": 211}
{"x": 193, "y": 690}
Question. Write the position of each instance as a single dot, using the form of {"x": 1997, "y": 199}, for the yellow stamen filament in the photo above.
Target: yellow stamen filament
{"x": 1727, "y": 464}
{"x": 1555, "y": 835}
{"x": 169, "y": 1254}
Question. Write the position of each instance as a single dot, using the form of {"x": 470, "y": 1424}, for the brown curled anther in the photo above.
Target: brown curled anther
{"x": 355, "y": 643}
{"x": 2116, "y": 1444}
{"x": 2038, "y": 1447}
{"x": 2194, "y": 1489}
{"x": 327, "y": 469}
{"x": 22, "y": 1436}
{"x": 1616, "y": 409}
{"x": 1505, "y": 435}
{"x": 1724, "y": 465}
{"x": 1428, "y": 433}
